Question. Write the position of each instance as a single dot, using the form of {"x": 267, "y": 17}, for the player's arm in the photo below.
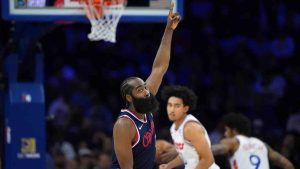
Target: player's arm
{"x": 226, "y": 146}
{"x": 278, "y": 159}
{"x": 172, "y": 164}
{"x": 165, "y": 153}
{"x": 195, "y": 133}
{"x": 162, "y": 58}
{"x": 169, "y": 155}
{"x": 123, "y": 135}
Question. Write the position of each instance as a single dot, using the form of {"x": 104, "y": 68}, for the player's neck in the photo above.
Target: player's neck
{"x": 179, "y": 122}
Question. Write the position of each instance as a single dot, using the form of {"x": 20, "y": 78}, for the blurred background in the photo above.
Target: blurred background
{"x": 238, "y": 56}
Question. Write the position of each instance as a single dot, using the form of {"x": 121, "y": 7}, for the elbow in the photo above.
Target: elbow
{"x": 207, "y": 162}
{"x": 161, "y": 67}
{"x": 210, "y": 162}
{"x": 126, "y": 165}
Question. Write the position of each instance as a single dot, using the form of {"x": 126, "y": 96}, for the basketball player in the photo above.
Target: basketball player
{"x": 134, "y": 131}
{"x": 189, "y": 135}
{"x": 244, "y": 151}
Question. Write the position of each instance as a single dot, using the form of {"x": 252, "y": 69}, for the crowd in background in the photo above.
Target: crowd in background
{"x": 238, "y": 56}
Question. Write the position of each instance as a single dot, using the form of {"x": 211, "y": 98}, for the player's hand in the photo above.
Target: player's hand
{"x": 168, "y": 156}
{"x": 173, "y": 18}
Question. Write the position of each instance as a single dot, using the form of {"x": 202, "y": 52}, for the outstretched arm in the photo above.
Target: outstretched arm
{"x": 162, "y": 58}
{"x": 123, "y": 134}
{"x": 278, "y": 159}
{"x": 226, "y": 146}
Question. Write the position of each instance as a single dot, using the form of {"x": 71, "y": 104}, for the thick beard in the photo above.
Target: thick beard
{"x": 145, "y": 105}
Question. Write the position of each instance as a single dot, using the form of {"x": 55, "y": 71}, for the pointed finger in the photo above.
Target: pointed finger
{"x": 171, "y": 8}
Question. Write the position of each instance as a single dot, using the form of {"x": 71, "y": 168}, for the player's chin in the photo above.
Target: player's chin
{"x": 172, "y": 119}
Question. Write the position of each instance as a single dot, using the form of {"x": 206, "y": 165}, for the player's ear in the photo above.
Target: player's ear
{"x": 128, "y": 98}
{"x": 186, "y": 108}
{"x": 235, "y": 131}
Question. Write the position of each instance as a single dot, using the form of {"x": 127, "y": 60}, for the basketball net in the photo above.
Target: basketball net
{"x": 104, "y": 16}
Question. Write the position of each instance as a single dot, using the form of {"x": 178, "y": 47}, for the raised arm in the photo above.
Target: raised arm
{"x": 278, "y": 159}
{"x": 123, "y": 134}
{"x": 162, "y": 58}
{"x": 195, "y": 133}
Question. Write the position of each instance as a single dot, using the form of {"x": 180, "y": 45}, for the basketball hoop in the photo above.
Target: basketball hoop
{"x": 104, "y": 16}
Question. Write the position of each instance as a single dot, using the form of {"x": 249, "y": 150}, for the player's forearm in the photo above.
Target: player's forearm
{"x": 285, "y": 164}
{"x": 125, "y": 161}
{"x": 289, "y": 166}
{"x": 162, "y": 58}
{"x": 219, "y": 149}
{"x": 176, "y": 162}
{"x": 125, "y": 165}
{"x": 168, "y": 156}
{"x": 280, "y": 161}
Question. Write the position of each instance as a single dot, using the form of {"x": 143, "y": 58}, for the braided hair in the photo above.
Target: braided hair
{"x": 126, "y": 88}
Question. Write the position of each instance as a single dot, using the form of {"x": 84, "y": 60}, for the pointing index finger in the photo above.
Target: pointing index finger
{"x": 171, "y": 8}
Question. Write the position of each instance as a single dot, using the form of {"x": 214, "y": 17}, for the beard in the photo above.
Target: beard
{"x": 145, "y": 105}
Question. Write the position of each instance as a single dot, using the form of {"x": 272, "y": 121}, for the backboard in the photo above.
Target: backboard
{"x": 71, "y": 10}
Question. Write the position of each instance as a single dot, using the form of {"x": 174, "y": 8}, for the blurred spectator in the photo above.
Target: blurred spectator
{"x": 283, "y": 46}
{"x": 100, "y": 117}
{"x": 103, "y": 161}
{"x": 101, "y": 142}
{"x": 260, "y": 45}
{"x": 270, "y": 83}
{"x": 72, "y": 164}
{"x": 63, "y": 146}
{"x": 85, "y": 158}
{"x": 59, "y": 110}
{"x": 60, "y": 161}
{"x": 291, "y": 142}
{"x": 49, "y": 162}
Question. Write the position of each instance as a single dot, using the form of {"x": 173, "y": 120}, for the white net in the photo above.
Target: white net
{"x": 104, "y": 25}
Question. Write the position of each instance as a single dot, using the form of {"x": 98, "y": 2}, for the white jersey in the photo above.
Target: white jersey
{"x": 185, "y": 149}
{"x": 251, "y": 154}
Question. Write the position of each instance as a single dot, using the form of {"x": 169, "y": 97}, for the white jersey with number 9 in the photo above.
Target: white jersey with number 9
{"x": 251, "y": 154}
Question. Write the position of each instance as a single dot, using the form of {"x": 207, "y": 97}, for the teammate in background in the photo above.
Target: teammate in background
{"x": 134, "y": 131}
{"x": 244, "y": 151}
{"x": 189, "y": 136}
